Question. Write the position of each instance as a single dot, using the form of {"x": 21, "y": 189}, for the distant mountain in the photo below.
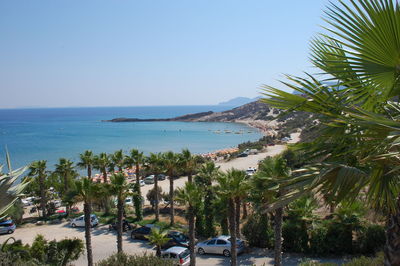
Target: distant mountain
{"x": 238, "y": 101}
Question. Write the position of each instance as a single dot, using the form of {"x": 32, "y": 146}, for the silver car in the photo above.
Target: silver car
{"x": 179, "y": 255}
{"x": 7, "y": 227}
{"x": 219, "y": 245}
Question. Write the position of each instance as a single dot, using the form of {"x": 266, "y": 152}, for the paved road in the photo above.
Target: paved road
{"x": 104, "y": 245}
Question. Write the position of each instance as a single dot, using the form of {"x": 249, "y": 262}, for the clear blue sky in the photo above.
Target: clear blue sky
{"x": 123, "y": 53}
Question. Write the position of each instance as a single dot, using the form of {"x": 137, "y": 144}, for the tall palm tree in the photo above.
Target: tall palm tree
{"x": 359, "y": 109}
{"x": 154, "y": 165}
{"x": 101, "y": 163}
{"x": 38, "y": 169}
{"x": 118, "y": 159}
{"x": 207, "y": 173}
{"x": 230, "y": 186}
{"x": 158, "y": 238}
{"x": 191, "y": 196}
{"x": 120, "y": 188}
{"x": 85, "y": 190}
{"x": 271, "y": 173}
{"x": 189, "y": 163}
{"x": 136, "y": 159}
{"x": 67, "y": 172}
{"x": 86, "y": 161}
{"x": 171, "y": 162}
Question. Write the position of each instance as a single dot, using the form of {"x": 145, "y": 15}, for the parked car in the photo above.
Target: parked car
{"x": 149, "y": 179}
{"x": 176, "y": 239}
{"x": 80, "y": 221}
{"x": 26, "y": 202}
{"x": 243, "y": 154}
{"x": 179, "y": 255}
{"x": 129, "y": 202}
{"x": 142, "y": 183}
{"x": 219, "y": 245}
{"x": 57, "y": 203}
{"x": 251, "y": 171}
{"x": 142, "y": 232}
{"x": 161, "y": 177}
{"x": 7, "y": 227}
{"x": 126, "y": 226}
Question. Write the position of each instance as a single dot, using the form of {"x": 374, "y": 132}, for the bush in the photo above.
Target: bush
{"x": 42, "y": 252}
{"x": 258, "y": 232}
{"x": 295, "y": 236}
{"x": 372, "y": 239}
{"x": 123, "y": 259}
{"x": 318, "y": 244}
{"x": 361, "y": 261}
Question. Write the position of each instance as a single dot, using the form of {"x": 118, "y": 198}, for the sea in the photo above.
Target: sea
{"x": 53, "y": 133}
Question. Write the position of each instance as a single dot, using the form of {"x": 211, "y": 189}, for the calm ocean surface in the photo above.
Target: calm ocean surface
{"x": 52, "y": 133}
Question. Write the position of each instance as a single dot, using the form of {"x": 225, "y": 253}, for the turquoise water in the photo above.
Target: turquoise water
{"x": 52, "y": 133}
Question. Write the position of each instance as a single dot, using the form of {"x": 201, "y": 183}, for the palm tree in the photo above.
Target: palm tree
{"x": 101, "y": 163}
{"x": 85, "y": 190}
{"x": 189, "y": 163}
{"x": 136, "y": 158}
{"x": 271, "y": 173}
{"x": 118, "y": 159}
{"x": 358, "y": 108}
{"x": 38, "y": 169}
{"x": 86, "y": 161}
{"x": 119, "y": 187}
{"x": 191, "y": 196}
{"x": 9, "y": 190}
{"x": 207, "y": 173}
{"x": 158, "y": 238}
{"x": 171, "y": 164}
{"x": 154, "y": 164}
{"x": 66, "y": 171}
{"x": 230, "y": 186}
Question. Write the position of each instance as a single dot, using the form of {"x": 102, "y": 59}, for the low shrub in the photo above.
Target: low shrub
{"x": 258, "y": 232}
{"x": 372, "y": 239}
{"x": 123, "y": 259}
{"x": 295, "y": 236}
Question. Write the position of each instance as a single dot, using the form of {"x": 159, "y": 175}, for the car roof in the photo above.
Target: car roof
{"x": 6, "y": 222}
{"x": 223, "y": 237}
{"x": 176, "y": 250}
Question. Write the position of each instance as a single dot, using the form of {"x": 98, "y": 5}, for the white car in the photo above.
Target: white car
{"x": 149, "y": 179}
{"x": 179, "y": 255}
{"x": 80, "y": 221}
{"x": 128, "y": 202}
{"x": 142, "y": 183}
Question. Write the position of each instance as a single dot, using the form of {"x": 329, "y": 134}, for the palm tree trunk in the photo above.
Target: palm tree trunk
{"x": 88, "y": 236}
{"x": 104, "y": 175}
{"x": 67, "y": 206}
{"x": 171, "y": 197}
{"x": 224, "y": 226}
{"x": 244, "y": 216}
{"x": 190, "y": 178}
{"x": 120, "y": 210}
{"x": 191, "y": 236}
{"x": 232, "y": 229}
{"x": 138, "y": 197}
{"x": 89, "y": 172}
{"x": 278, "y": 236}
{"x": 237, "y": 216}
{"x": 42, "y": 197}
{"x": 158, "y": 251}
{"x": 156, "y": 209}
{"x": 392, "y": 247}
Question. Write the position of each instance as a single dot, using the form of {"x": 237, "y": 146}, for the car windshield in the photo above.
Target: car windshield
{"x": 179, "y": 236}
{"x": 184, "y": 254}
